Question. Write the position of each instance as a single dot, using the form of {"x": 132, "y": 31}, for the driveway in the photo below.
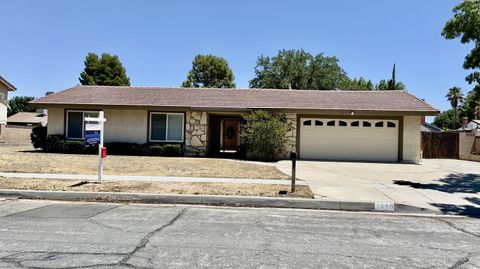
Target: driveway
{"x": 450, "y": 186}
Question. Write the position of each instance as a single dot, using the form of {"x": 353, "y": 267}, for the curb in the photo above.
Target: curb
{"x": 216, "y": 200}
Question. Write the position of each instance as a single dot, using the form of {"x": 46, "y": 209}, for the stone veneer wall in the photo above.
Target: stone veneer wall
{"x": 291, "y": 124}
{"x": 196, "y": 128}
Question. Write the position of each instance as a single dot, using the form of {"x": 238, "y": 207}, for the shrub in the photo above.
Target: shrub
{"x": 264, "y": 135}
{"x": 38, "y": 137}
{"x": 58, "y": 144}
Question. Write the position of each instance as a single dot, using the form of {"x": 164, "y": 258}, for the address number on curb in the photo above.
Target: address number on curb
{"x": 382, "y": 206}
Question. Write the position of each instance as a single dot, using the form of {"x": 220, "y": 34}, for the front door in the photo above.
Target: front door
{"x": 231, "y": 130}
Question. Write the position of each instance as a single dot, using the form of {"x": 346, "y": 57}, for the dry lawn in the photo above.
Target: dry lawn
{"x": 154, "y": 187}
{"x": 25, "y": 159}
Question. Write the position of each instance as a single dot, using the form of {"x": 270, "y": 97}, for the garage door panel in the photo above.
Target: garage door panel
{"x": 349, "y": 143}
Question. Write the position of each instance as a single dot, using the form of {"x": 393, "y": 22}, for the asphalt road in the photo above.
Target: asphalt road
{"x": 42, "y": 234}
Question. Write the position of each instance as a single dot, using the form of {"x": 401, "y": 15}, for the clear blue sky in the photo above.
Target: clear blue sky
{"x": 44, "y": 43}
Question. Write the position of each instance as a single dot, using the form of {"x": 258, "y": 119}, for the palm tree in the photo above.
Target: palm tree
{"x": 455, "y": 97}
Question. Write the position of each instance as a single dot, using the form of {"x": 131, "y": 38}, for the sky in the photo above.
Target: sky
{"x": 44, "y": 43}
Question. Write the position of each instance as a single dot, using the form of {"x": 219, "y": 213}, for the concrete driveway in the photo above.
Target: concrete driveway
{"x": 449, "y": 186}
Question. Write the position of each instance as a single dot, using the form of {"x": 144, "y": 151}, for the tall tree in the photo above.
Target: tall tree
{"x": 209, "y": 71}
{"x": 392, "y": 83}
{"x": 455, "y": 97}
{"x": 465, "y": 25}
{"x": 104, "y": 71}
{"x": 446, "y": 119}
{"x": 298, "y": 69}
{"x": 20, "y": 104}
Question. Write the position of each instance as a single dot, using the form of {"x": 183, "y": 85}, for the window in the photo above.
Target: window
{"x": 379, "y": 124}
{"x": 342, "y": 123}
{"x": 318, "y": 123}
{"x": 76, "y": 123}
{"x": 367, "y": 124}
{"x": 331, "y": 123}
{"x": 166, "y": 127}
{"x": 307, "y": 122}
{"x": 355, "y": 124}
{"x": 391, "y": 124}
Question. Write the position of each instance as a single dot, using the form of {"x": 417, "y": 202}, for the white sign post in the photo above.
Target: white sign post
{"x": 98, "y": 126}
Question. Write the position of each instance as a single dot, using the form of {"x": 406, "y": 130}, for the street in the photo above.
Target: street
{"x": 47, "y": 234}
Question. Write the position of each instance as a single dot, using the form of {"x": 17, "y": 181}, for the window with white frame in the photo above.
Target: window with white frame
{"x": 166, "y": 127}
{"x": 75, "y": 127}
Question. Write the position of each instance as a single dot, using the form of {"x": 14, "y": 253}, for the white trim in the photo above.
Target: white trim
{"x": 166, "y": 127}
{"x": 83, "y": 122}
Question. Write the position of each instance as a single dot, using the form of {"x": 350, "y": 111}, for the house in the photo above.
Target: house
{"x": 38, "y": 118}
{"x": 5, "y": 87}
{"x": 468, "y": 126}
{"x": 430, "y": 127}
{"x": 328, "y": 125}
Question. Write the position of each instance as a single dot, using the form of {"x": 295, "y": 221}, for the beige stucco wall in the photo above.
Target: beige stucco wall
{"x": 465, "y": 147}
{"x": 126, "y": 126}
{"x": 411, "y": 139}
{"x": 55, "y": 123}
{"x": 3, "y": 104}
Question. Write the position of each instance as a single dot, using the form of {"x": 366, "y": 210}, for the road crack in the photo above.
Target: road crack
{"x": 452, "y": 225}
{"x": 464, "y": 260}
{"x": 146, "y": 239}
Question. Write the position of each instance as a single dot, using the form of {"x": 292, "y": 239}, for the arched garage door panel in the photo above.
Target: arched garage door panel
{"x": 349, "y": 139}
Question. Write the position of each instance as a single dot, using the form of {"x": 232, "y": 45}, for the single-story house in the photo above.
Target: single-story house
{"x": 328, "y": 125}
{"x": 468, "y": 126}
{"x": 430, "y": 127}
{"x": 37, "y": 118}
{"x": 5, "y": 87}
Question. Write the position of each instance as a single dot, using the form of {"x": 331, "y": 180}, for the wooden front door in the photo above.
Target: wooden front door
{"x": 231, "y": 131}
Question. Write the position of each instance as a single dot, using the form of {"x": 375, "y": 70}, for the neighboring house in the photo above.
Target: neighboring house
{"x": 327, "y": 125}
{"x": 472, "y": 125}
{"x": 429, "y": 127}
{"x": 5, "y": 87}
{"x": 38, "y": 118}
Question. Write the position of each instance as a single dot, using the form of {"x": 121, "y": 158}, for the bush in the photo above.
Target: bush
{"x": 58, "y": 144}
{"x": 38, "y": 137}
{"x": 264, "y": 135}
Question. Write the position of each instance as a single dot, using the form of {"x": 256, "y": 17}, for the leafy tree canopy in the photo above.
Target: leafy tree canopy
{"x": 470, "y": 103}
{"x": 104, "y": 71}
{"x": 298, "y": 69}
{"x": 465, "y": 25}
{"x": 445, "y": 120}
{"x": 385, "y": 85}
{"x": 20, "y": 104}
{"x": 209, "y": 71}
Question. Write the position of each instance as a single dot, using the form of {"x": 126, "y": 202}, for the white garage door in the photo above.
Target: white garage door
{"x": 349, "y": 139}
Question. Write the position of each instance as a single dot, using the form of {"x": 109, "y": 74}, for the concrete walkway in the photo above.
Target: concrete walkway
{"x": 150, "y": 178}
{"x": 442, "y": 185}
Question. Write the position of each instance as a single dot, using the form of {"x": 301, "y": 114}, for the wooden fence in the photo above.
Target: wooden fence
{"x": 442, "y": 145}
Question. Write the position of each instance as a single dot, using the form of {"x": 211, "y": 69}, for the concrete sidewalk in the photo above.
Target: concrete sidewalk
{"x": 450, "y": 186}
{"x": 151, "y": 178}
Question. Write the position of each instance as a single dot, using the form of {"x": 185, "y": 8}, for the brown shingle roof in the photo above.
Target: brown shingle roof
{"x": 398, "y": 101}
{"x": 28, "y": 118}
{"x": 8, "y": 84}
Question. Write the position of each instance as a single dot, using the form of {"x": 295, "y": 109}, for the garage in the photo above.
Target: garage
{"x": 349, "y": 139}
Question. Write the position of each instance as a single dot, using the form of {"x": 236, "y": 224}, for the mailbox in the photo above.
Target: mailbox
{"x": 104, "y": 152}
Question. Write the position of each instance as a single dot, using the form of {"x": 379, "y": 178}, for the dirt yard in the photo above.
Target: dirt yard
{"x": 26, "y": 159}
{"x": 155, "y": 187}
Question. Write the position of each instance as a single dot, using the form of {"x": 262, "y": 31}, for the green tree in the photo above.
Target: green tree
{"x": 391, "y": 84}
{"x": 465, "y": 25}
{"x": 298, "y": 69}
{"x": 49, "y": 92}
{"x": 104, "y": 71}
{"x": 455, "y": 97}
{"x": 471, "y": 103}
{"x": 209, "y": 71}
{"x": 264, "y": 135}
{"x": 20, "y": 104}
{"x": 446, "y": 119}
{"x": 360, "y": 84}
